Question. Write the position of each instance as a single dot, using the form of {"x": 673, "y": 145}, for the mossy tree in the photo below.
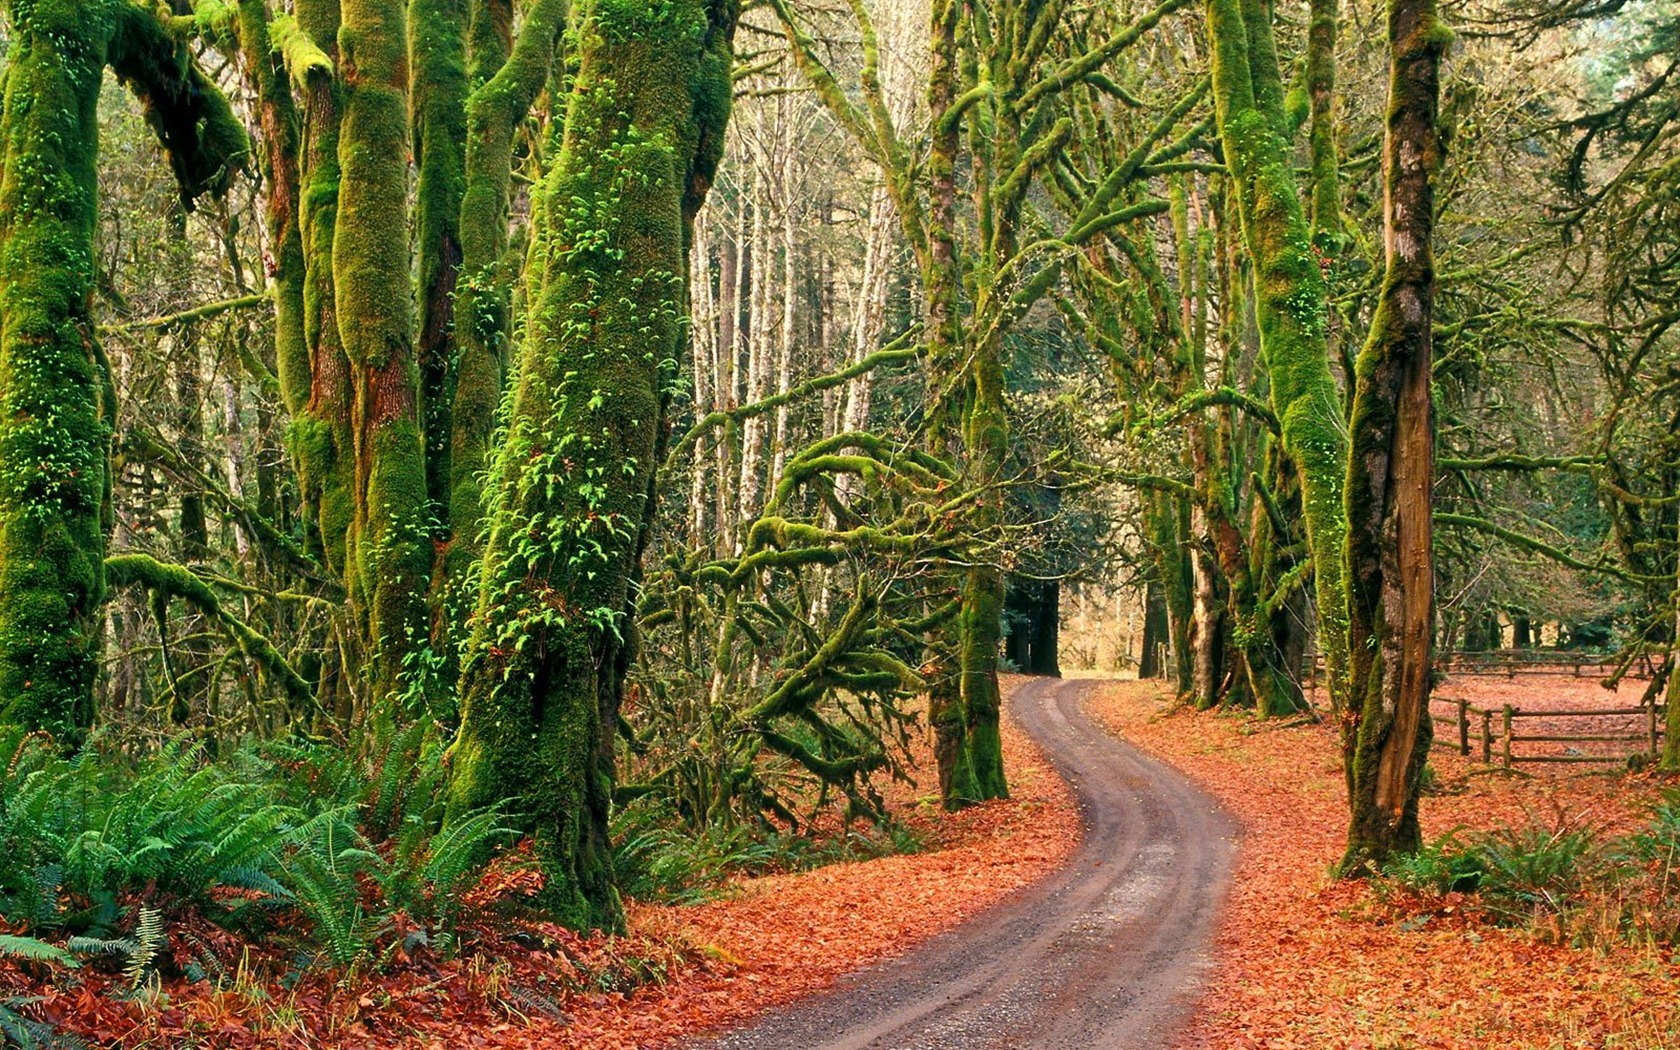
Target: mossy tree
{"x": 507, "y": 73}
{"x": 1391, "y": 469}
{"x": 1290, "y": 303}
{"x": 997, "y": 74}
{"x": 437, "y": 57}
{"x": 56, "y": 399}
{"x": 389, "y": 552}
{"x": 572, "y": 481}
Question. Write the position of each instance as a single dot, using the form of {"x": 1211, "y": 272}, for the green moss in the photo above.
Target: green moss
{"x": 437, "y": 55}
{"x": 494, "y": 111}
{"x": 164, "y": 581}
{"x": 388, "y": 551}
{"x": 1291, "y": 303}
{"x": 570, "y": 492}
{"x": 55, "y": 400}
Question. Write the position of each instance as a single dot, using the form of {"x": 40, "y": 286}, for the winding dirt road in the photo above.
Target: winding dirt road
{"x": 1107, "y": 954}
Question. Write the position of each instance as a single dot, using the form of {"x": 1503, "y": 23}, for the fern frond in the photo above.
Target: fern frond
{"x": 35, "y": 950}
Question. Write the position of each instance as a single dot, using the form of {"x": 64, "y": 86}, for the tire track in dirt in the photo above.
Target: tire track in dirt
{"x": 1110, "y": 953}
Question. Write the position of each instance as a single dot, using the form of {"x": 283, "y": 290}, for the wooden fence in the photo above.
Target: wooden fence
{"x": 1511, "y": 662}
{"x": 1508, "y": 662}
{"x": 1498, "y": 729}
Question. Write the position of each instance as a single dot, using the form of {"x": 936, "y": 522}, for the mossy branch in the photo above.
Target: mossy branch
{"x": 1082, "y": 66}
{"x": 197, "y": 313}
{"x": 283, "y": 547}
{"x": 167, "y": 579}
{"x": 1540, "y": 547}
{"x": 1518, "y": 463}
{"x": 1229, "y": 397}
{"x": 301, "y": 56}
{"x": 898, "y": 351}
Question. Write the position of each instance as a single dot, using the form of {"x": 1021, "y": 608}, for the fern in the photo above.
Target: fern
{"x": 322, "y": 877}
{"x": 34, "y": 950}
{"x": 455, "y": 854}
{"x": 287, "y": 825}
{"x": 149, "y": 943}
{"x": 28, "y": 1034}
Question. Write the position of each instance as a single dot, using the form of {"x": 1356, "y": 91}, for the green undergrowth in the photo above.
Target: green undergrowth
{"x": 1564, "y": 880}
{"x": 659, "y": 858}
{"x": 145, "y": 863}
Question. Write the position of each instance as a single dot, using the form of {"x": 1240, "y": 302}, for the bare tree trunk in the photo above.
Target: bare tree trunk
{"x": 760, "y": 345}
{"x": 233, "y": 439}
{"x": 790, "y": 299}
{"x": 1205, "y": 617}
{"x": 703, "y": 334}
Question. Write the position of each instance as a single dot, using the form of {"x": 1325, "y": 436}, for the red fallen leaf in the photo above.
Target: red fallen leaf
{"x": 1349, "y": 976}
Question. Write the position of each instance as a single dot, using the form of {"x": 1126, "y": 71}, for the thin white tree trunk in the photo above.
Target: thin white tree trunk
{"x": 703, "y": 335}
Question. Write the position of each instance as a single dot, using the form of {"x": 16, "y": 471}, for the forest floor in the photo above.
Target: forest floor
{"x": 681, "y": 969}
{"x": 1307, "y": 961}
{"x": 1109, "y": 953}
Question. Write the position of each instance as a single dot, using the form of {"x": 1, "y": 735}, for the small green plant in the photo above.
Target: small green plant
{"x": 16, "y": 1028}
{"x": 1533, "y": 872}
{"x": 353, "y": 843}
{"x": 1441, "y": 867}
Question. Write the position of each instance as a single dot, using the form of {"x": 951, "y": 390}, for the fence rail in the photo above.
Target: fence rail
{"x": 1502, "y": 738}
{"x": 1512, "y": 662}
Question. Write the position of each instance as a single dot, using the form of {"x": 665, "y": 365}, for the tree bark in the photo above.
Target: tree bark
{"x": 508, "y": 74}
{"x": 1290, "y": 298}
{"x": 390, "y": 549}
{"x": 57, "y": 401}
{"x": 1391, "y": 470}
{"x": 553, "y": 632}
{"x": 437, "y": 33}
{"x": 1156, "y": 635}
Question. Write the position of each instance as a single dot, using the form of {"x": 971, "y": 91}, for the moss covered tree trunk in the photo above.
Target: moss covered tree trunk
{"x": 56, "y": 399}
{"x": 278, "y": 126}
{"x": 942, "y": 287}
{"x": 1322, "y": 24}
{"x": 551, "y": 634}
{"x": 1290, "y": 301}
{"x": 320, "y": 432}
{"x": 1670, "y": 758}
{"x": 1391, "y": 586}
{"x": 437, "y": 42}
{"x": 390, "y": 553}
{"x": 508, "y": 74}
{"x": 1151, "y": 663}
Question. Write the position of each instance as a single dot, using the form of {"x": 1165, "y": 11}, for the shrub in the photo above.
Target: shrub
{"x": 1534, "y": 872}
{"x": 103, "y": 847}
{"x": 1441, "y": 867}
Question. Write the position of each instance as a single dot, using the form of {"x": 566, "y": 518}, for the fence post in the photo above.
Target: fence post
{"x": 1487, "y": 738}
{"x": 1463, "y": 727}
{"x": 1507, "y": 742}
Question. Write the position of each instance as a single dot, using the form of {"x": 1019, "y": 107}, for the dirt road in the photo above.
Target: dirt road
{"x": 1107, "y": 954}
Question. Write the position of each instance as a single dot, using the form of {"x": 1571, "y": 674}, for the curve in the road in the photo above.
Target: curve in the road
{"x": 1107, "y": 954}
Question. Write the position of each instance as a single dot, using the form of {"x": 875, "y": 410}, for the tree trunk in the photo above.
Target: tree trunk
{"x": 1290, "y": 297}
{"x": 437, "y": 63}
{"x": 1391, "y": 471}
{"x": 57, "y": 401}
{"x": 508, "y": 74}
{"x": 390, "y": 551}
{"x": 1156, "y": 635}
{"x": 1321, "y": 96}
{"x": 553, "y": 631}
{"x": 1047, "y": 630}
